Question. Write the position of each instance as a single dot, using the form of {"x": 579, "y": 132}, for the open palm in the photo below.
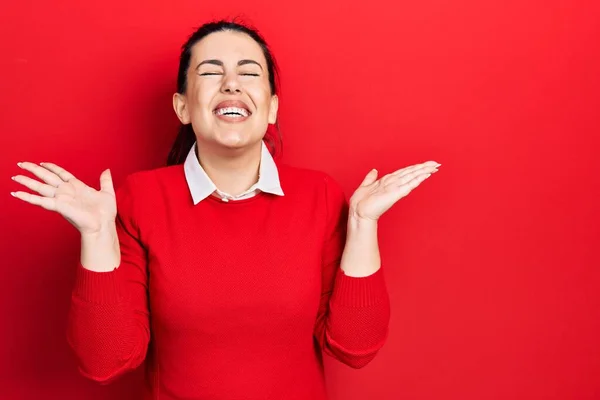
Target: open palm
{"x": 88, "y": 209}
{"x": 375, "y": 196}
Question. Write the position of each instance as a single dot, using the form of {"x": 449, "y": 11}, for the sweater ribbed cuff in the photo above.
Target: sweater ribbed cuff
{"x": 359, "y": 292}
{"x": 96, "y": 287}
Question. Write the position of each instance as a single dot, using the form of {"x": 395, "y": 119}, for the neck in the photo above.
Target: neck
{"x": 232, "y": 173}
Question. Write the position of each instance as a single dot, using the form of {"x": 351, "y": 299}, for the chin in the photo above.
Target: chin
{"x": 237, "y": 139}
{"x": 234, "y": 140}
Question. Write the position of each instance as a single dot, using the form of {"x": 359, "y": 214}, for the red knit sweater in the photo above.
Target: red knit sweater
{"x": 227, "y": 300}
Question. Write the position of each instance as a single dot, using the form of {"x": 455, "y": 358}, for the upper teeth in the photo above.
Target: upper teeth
{"x": 232, "y": 110}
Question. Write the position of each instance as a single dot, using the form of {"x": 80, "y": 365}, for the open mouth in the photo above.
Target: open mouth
{"x": 233, "y": 112}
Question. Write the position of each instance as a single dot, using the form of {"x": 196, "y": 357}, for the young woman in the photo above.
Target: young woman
{"x": 227, "y": 271}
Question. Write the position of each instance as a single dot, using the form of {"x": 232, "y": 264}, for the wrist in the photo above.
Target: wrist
{"x": 100, "y": 251}
{"x": 106, "y": 229}
{"x": 357, "y": 223}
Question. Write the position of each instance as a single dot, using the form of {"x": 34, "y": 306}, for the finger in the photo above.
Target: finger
{"x": 106, "y": 183}
{"x": 412, "y": 179}
{"x": 41, "y": 188}
{"x": 44, "y": 202}
{"x": 370, "y": 178}
{"x": 416, "y": 181}
{"x": 406, "y": 188}
{"x": 62, "y": 173}
{"x": 415, "y": 167}
{"x": 49, "y": 177}
{"x": 409, "y": 175}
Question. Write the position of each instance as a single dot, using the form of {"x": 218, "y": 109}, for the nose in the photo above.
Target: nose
{"x": 231, "y": 84}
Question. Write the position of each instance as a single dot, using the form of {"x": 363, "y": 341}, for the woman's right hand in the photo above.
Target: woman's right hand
{"x": 88, "y": 209}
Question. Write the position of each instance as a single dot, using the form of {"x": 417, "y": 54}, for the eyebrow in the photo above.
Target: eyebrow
{"x": 220, "y": 63}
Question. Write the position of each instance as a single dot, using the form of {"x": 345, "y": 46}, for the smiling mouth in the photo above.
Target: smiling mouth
{"x": 232, "y": 112}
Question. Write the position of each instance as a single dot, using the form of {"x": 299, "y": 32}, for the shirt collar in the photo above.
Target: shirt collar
{"x": 201, "y": 186}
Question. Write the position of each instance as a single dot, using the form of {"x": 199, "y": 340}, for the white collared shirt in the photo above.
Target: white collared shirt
{"x": 201, "y": 186}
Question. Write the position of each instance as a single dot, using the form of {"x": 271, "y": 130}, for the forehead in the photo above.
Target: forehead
{"x": 228, "y": 46}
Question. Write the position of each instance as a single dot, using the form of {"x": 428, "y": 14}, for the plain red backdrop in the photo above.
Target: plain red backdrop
{"x": 492, "y": 264}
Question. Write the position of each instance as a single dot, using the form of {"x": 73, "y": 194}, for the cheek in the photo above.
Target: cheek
{"x": 202, "y": 95}
{"x": 261, "y": 99}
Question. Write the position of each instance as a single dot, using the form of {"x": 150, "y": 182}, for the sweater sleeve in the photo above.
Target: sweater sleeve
{"x": 108, "y": 325}
{"x": 353, "y": 317}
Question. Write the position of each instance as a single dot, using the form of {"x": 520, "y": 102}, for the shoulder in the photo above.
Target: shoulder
{"x": 146, "y": 188}
{"x": 151, "y": 179}
{"x": 141, "y": 195}
{"x": 310, "y": 181}
{"x": 306, "y": 177}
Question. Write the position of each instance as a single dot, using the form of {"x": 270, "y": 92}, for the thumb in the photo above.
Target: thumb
{"x": 370, "y": 178}
{"x": 106, "y": 183}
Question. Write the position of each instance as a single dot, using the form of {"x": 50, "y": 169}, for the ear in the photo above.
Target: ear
{"x": 180, "y": 107}
{"x": 273, "y": 109}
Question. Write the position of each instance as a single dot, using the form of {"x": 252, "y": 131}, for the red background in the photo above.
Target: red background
{"x": 492, "y": 264}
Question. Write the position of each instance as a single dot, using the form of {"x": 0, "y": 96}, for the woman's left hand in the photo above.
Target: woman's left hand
{"x": 375, "y": 196}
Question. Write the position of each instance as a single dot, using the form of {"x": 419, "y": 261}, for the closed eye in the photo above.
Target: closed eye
{"x": 219, "y": 73}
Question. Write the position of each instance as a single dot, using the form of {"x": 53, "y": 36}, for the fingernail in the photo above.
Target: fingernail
{"x": 12, "y": 177}
{"x": 20, "y": 164}
{"x": 12, "y": 194}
